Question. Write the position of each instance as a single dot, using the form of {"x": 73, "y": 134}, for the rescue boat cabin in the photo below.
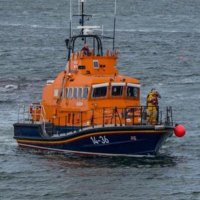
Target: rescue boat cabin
{"x": 90, "y": 91}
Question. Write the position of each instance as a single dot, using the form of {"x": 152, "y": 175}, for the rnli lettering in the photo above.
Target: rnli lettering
{"x": 99, "y": 140}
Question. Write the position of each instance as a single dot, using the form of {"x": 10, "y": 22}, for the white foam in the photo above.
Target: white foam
{"x": 11, "y": 86}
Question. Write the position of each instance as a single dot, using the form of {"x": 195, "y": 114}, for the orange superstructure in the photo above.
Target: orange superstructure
{"x": 88, "y": 84}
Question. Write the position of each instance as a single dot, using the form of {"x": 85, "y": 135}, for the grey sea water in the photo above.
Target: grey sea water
{"x": 159, "y": 42}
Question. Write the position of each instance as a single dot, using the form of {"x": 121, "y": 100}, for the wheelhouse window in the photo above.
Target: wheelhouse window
{"x": 132, "y": 90}
{"x": 75, "y": 95}
{"x": 69, "y": 93}
{"x": 79, "y": 93}
{"x": 117, "y": 89}
{"x": 100, "y": 90}
{"x": 85, "y": 93}
{"x": 66, "y": 91}
{"x": 55, "y": 93}
{"x": 96, "y": 64}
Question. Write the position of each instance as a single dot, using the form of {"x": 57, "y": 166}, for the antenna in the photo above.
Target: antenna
{"x": 82, "y": 15}
{"x": 102, "y": 34}
{"x": 70, "y": 35}
{"x": 115, "y": 11}
{"x": 79, "y": 7}
{"x": 70, "y": 23}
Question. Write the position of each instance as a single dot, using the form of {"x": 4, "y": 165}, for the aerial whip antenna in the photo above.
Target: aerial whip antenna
{"x": 70, "y": 23}
{"x": 115, "y": 11}
{"x": 70, "y": 35}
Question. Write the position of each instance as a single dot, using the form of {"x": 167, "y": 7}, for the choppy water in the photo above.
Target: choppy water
{"x": 159, "y": 43}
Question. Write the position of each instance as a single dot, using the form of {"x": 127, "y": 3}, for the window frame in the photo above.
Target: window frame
{"x": 70, "y": 95}
{"x": 99, "y": 86}
{"x": 95, "y": 64}
{"x": 83, "y": 94}
{"x": 55, "y": 93}
{"x": 117, "y": 84}
{"x": 75, "y": 93}
{"x": 137, "y": 86}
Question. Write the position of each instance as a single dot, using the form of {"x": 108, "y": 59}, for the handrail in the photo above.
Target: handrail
{"x": 105, "y": 116}
{"x": 36, "y": 113}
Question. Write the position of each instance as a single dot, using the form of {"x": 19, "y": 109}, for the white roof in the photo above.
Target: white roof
{"x": 100, "y": 85}
{"x": 133, "y": 85}
{"x": 118, "y": 83}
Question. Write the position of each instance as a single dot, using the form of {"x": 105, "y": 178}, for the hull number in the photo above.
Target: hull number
{"x": 99, "y": 140}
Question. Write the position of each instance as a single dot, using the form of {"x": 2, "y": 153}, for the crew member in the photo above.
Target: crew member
{"x": 152, "y": 106}
{"x": 86, "y": 50}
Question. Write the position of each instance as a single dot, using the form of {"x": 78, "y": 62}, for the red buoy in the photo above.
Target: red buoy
{"x": 179, "y": 130}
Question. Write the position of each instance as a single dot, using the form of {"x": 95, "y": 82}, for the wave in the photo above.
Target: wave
{"x": 11, "y": 87}
{"x": 7, "y": 101}
{"x": 153, "y": 30}
{"x": 142, "y": 30}
{"x": 31, "y": 25}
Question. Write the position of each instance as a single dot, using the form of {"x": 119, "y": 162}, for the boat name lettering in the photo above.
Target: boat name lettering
{"x": 99, "y": 139}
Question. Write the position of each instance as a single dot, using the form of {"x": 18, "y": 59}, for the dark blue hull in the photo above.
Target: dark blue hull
{"x": 111, "y": 141}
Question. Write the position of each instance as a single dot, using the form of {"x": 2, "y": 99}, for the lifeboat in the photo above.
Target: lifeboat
{"x": 92, "y": 109}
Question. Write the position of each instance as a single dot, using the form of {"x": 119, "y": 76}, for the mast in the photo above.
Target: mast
{"x": 82, "y": 16}
{"x": 115, "y": 11}
{"x": 70, "y": 35}
{"x": 70, "y": 22}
